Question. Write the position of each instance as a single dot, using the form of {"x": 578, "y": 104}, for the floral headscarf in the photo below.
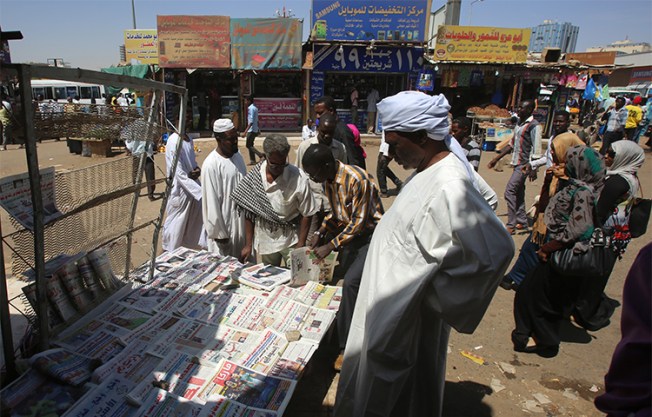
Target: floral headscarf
{"x": 559, "y": 145}
{"x": 570, "y": 213}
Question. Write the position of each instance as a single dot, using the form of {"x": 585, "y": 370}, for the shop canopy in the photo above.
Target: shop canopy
{"x": 138, "y": 71}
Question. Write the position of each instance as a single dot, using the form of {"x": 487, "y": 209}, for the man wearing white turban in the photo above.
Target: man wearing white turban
{"x": 434, "y": 262}
{"x": 221, "y": 172}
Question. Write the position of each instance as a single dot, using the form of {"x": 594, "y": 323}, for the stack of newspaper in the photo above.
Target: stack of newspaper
{"x": 187, "y": 343}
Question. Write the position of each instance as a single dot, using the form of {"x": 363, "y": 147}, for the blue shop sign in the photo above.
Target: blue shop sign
{"x": 364, "y": 20}
{"x": 360, "y": 58}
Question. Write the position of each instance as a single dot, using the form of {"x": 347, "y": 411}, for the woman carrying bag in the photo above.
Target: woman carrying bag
{"x": 546, "y": 297}
{"x": 623, "y": 159}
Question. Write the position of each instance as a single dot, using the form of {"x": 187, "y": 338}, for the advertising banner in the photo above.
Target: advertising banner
{"x": 194, "y": 41}
{"x": 141, "y": 46}
{"x": 358, "y": 20}
{"x": 360, "y": 58}
{"x": 278, "y": 113}
{"x": 266, "y": 43}
{"x": 482, "y": 44}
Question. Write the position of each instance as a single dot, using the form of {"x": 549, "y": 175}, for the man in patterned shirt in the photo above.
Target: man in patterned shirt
{"x": 526, "y": 145}
{"x": 356, "y": 209}
{"x": 616, "y": 119}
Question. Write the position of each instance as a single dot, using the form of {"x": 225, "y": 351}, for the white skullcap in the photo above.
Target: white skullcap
{"x": 222, "y": 125}
{"x": 411, "y": 111}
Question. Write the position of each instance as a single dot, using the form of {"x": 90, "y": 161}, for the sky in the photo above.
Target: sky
{"x": 87, "y": 33}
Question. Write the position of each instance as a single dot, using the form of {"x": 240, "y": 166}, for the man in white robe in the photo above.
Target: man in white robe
{"x": 434, "y": 262}
{"x": 183, "y": 224}
{"x": 221, "y": 172}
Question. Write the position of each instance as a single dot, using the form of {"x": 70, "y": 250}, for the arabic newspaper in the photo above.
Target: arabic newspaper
{"x": 321, "y": 296}
{"x": 64, "y": 366}
{"x": 307, "y": 267}
{"x": 16, "y": 197}
{"x": 248, "y": 387}
{"x": 107, "y": 399}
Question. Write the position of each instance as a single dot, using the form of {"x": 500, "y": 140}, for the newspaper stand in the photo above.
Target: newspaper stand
{"x": 128, "y": 195}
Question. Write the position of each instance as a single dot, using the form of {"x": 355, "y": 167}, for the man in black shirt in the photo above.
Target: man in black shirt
{"x": 342, "y": 132}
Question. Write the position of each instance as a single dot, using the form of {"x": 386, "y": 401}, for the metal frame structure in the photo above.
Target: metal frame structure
{"x": 24, "y": 74}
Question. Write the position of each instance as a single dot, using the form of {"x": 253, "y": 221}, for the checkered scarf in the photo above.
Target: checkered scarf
{"x": 251, "y": 200}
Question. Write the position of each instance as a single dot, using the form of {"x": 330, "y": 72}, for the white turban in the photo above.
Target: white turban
{"x": 411, "y": 111}
{"x": 222, "y": 125}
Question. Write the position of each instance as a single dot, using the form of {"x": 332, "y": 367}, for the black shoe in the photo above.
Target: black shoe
{"x": 384, "y": 193}
{"x": 507, "y": 284}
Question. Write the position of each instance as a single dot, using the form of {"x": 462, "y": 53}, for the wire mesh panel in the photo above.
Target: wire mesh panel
{"x": 96, "y": 202}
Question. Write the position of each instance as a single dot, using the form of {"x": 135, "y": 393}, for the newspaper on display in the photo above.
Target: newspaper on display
{"x": 307, "y": 267}
{"x": 190, "y": 342}
{"x": 16, "y": 197}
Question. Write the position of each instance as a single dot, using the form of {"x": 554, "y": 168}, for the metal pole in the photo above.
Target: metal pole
{"x": 25, "y": 79}
{"x": 139, "y": 177}
{"x": 5, "y": 319}
{"x": 133, "y": 12}
{"x": 168, "y": 182}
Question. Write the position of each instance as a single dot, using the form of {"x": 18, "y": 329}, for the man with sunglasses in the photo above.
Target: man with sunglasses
{"x": 277, "y": 204}
{"x": 221, "y": 172}
{"x": 356, "y": 209}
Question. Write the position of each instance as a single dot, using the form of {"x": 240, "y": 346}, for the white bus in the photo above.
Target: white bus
{"x": 60, "y": 91}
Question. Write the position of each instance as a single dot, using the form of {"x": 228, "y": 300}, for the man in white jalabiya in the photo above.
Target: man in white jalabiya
{"x": 183, "y": 224}
{"x": 434, "y": 262}
{"x": 221, "y": 172}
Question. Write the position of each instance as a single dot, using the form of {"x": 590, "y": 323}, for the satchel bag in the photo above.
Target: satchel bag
{"x": 590, "y": 263}
{"x": 639, "y": 215}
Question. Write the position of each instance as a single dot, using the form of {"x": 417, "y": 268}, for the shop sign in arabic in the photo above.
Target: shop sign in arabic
{"x": 278, "y": 105}
{"x": 356, "y": 20}
{"x": 359, "y": 58}
{"x": 266, "y": 43}
{"x": 275, "y": 122}
{"x": 482, "y": 44}
{"x": 194, "y": 41}
{"x": 141, "y": 45}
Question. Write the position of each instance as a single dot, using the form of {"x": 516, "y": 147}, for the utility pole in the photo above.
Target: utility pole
{"x": 133, "y": 12}
{"x": 453, "y": 12}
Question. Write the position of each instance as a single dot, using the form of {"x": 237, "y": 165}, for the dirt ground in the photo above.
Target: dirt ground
{"x": 507, "y": 384}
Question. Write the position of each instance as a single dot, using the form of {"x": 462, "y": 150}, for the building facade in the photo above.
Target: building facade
{"x": 623, "y": 47}
{"x": 554, "y": 35}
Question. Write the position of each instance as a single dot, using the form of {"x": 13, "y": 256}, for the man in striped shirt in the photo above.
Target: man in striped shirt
{"x": 526, "y": 145}
{"x": 356, "y": 209}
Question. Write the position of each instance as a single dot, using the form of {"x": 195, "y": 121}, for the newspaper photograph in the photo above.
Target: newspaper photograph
{"x": 146, "y": 298}
{"x": 264, "y": 277}
{"x": 307, "y": 267}
{"x": 248, "y": 387}
{"x": 155, "y": 328}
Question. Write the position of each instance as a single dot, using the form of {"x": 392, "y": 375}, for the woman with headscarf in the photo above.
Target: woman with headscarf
{"x": 624, "y": 158}
{"x": 554, "y": 181}
{"x": 545, "y": 298}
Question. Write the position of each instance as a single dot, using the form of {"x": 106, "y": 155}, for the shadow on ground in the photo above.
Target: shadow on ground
{"x": 464, "y": 399}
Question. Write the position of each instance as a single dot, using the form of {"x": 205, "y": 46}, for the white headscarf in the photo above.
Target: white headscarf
{"x": 222, "y": 125}
{"x": 627, "y": 161}
{"x": 411, "y": 111}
